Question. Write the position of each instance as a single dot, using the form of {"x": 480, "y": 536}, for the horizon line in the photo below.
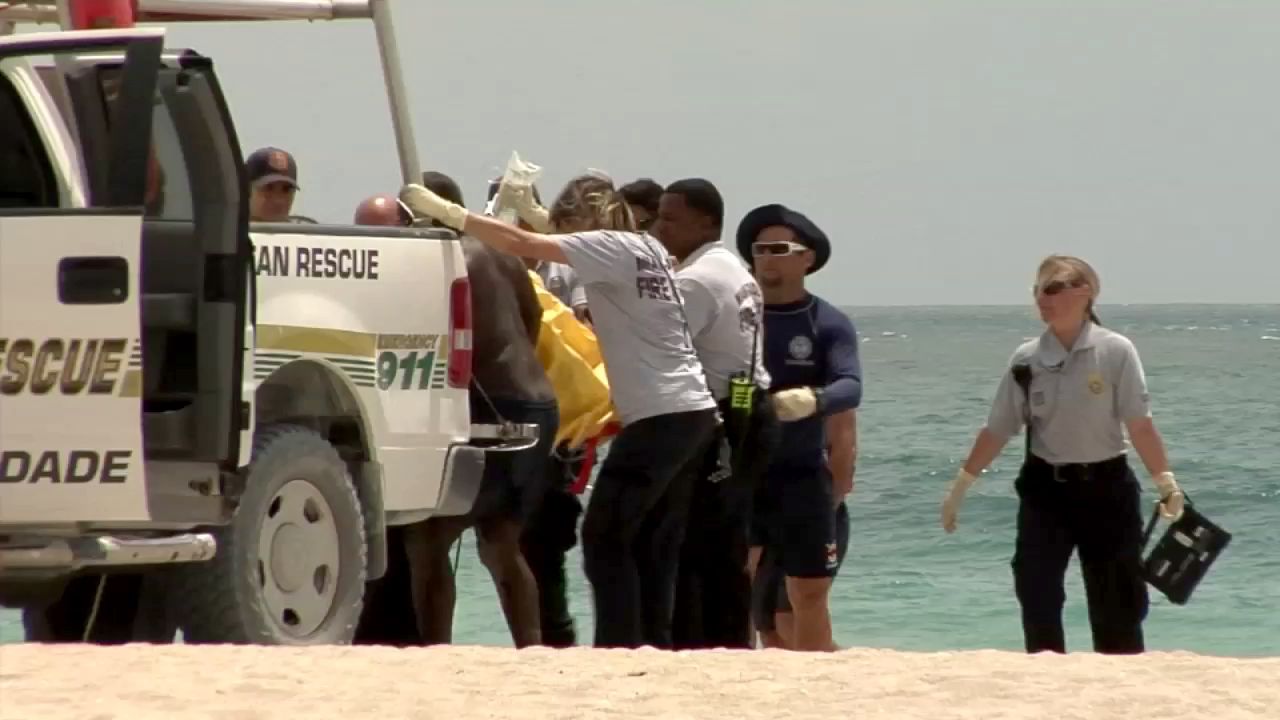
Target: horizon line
{"x": 1031, "y": 306}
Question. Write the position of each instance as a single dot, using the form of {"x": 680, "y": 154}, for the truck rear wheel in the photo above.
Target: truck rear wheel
{"x": 290, "y": 568}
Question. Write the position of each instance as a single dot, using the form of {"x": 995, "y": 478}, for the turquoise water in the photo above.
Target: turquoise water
{"x": 930, "y": 374}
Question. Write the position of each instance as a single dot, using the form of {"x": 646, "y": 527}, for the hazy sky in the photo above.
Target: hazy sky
{"x": 944, "y": 146}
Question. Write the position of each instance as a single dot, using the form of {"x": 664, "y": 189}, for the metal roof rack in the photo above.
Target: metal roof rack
{"x": 59, "y": 12}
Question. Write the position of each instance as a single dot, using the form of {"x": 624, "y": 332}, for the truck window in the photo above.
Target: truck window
{"x": 26, "y": 175}
{"x": 171, "y": 197}
{"x": 168, "y": 183}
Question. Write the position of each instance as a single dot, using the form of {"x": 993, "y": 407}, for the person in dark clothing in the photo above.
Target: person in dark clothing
{"x": 550, "y": 533}
{"x": 771, "y": 608}
{"x": 811, "y": 353}
{"x": 508, "y": 383}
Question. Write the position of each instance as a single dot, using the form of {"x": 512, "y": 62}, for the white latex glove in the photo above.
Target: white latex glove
{"x": 1172, "y": 501}
{"x": 794, "y": 404}
{"x": 521, "y": 198}
{"x": 422, "y": 201}
{"x": 955, "y": 498}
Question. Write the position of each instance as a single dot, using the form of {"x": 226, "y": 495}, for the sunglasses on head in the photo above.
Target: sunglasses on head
{"x": 779, "y": 247}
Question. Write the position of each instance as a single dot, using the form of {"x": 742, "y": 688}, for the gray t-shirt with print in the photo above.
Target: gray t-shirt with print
{"x": 635, "y": 308}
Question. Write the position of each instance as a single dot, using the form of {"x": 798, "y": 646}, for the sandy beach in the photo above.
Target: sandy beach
{"x": 239, "y": 683}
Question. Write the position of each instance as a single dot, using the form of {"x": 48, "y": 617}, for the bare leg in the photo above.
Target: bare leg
{"x": 785, "y": 623}
{"x": 431, "y": 576}
{"x": 808, "y": 597}
{"x": 498, "y": 541}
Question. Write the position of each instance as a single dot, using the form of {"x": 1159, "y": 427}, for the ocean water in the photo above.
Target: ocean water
{"x": 1214, "y": 374}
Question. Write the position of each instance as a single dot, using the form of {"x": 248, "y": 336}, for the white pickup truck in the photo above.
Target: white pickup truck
{"x": 235, "y": 411}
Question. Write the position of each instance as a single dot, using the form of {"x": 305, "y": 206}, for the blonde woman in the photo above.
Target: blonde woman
{"x": 1084, "y": 389}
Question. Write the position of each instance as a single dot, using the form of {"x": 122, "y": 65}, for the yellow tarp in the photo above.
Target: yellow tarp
{"x": 570, "y": 353}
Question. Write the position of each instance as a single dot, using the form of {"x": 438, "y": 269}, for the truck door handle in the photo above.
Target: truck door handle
{"x": 93, "y": 280}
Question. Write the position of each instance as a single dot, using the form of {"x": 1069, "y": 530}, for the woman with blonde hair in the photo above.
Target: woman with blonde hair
{"x": 640, "y": 503}
{"x": 1078, "y": 388}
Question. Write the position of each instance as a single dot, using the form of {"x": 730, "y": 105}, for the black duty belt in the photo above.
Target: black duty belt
{"x": 1067, "y": 472}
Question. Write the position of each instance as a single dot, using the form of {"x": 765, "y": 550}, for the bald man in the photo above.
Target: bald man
{"x": 382, "y": 210}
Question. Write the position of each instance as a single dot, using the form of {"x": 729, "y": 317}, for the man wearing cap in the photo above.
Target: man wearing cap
{"x": 811, "y": 353}
{"x": 273, "y": 184}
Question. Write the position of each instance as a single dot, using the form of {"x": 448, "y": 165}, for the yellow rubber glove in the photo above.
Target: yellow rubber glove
{"x": 794, "y": 404}
{"x": 422, "y": 201}
{"x": 521, "y": 198}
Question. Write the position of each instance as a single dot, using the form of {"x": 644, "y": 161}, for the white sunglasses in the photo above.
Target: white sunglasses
{"x": 777, "y": 247}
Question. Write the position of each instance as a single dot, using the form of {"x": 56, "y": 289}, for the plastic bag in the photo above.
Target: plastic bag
{"x": 518, "y": 174}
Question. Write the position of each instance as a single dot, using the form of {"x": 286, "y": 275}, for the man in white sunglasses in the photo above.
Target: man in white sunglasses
{"x": 811, "y": 354}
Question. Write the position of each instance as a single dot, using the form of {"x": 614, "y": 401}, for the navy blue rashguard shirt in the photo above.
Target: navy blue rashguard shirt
{"x": 810, "y": 343}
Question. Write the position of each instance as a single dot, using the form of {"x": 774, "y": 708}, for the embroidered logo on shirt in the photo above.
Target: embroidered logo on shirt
{"x": 800, "y": 347}
{"x": 1096, "y": 385}
{"x": 833, "y": 555}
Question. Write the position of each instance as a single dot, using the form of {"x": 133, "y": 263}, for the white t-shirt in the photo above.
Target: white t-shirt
{"x": 725, "y": 307}
{"x": 635, "y": 309}
{"x": 561, "y": 280}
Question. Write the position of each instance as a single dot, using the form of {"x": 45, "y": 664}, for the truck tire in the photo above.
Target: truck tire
{"x": 290, "y": 567}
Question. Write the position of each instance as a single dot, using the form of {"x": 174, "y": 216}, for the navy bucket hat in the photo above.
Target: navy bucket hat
{"x": 807, "y": 233}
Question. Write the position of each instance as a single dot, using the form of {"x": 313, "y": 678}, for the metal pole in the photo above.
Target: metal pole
{"x": 254, "y": 9}
{"x": 410, "y": 170}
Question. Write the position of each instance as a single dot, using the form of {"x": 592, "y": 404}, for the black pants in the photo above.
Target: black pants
{"x": 634, "y": 525}
{"x": 550, "y": 532}
{"x": 1094, "y": 508}
{"x": 713, "y": 592}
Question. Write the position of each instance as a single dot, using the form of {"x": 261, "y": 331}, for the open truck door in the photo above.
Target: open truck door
{"x": 122, "y": 300}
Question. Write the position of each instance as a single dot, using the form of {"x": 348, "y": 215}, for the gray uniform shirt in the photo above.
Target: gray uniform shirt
{"x": 725, "y": 311}
{"x": 560, "y": 280}
{"x": 635, "y": 308}
{"x": 1080, "y": 397}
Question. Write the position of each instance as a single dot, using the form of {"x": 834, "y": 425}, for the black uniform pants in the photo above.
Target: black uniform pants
{"x": 1093, "y": 508}
{"x": 713, "y": 593}
{"x": 635, "y": 522}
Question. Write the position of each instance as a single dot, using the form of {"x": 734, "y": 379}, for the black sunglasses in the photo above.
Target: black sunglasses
{"x": 1053, "y": 288}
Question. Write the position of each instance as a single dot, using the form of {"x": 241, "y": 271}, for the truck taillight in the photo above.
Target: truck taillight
{"x": 460, "y": 333}
{"x": 99, "y": 14}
